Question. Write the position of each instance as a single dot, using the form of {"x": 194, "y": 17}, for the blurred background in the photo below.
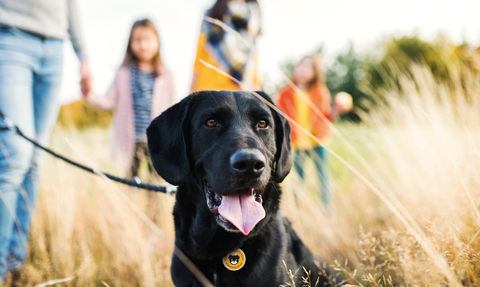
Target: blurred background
{"x": 404, "y": 163}
{"x": 289, "y": 31}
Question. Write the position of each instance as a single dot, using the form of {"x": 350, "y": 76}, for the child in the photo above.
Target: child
{"x": 142, "y": 89}
{"x": 309, "y": 77}
{"x": 225, "y": 50}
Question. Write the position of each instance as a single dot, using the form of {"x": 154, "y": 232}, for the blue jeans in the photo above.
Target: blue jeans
{"x": 30, "y": 75}
{"x": 319, "y": 157}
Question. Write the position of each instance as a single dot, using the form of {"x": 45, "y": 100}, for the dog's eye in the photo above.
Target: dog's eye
{"x": 211, "y": 123}
{"x": 262, "y": 124}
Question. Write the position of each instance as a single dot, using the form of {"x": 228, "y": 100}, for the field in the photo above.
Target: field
{"x": 404, "y": 213}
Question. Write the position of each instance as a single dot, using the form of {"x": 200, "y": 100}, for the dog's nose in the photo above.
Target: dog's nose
{"x": 248, "y": 163}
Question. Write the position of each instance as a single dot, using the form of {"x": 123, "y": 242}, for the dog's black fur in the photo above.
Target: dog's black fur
{"x": 187, "y": 152}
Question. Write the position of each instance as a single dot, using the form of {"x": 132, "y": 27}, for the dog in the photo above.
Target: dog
{"x": 227, "y": 151}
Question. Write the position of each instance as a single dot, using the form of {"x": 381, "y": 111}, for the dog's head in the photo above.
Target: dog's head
{"x": 231, "y": 144}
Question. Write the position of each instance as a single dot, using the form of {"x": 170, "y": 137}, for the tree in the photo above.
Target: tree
{"x": 345, "y": 74}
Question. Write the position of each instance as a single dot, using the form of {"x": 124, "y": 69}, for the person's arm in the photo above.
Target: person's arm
{"x": 280, "y": 102}
{"x": 326, "y": 107}
{"x": 171, "y": 90}
{"x": 86, "y": 78}
{"x": 168, "y": 93}
{"x": 76, "y": 38}
{"x": 334, "y": 115}
{"x": 106, "y": 102}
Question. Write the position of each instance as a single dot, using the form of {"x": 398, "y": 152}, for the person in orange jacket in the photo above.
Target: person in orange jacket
{"x": 309, "y": 77}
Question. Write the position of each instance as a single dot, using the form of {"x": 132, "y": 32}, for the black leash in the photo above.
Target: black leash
{"x": 167, "y": 189}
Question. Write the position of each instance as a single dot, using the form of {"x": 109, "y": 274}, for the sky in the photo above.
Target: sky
{"x": 290, "y": 29}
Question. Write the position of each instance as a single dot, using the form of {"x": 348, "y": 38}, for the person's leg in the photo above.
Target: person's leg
{"x": 321, "y": 163}
{"x": 146, "y": 155}
{"x": 299, "y": 161}
{"x": 153, "y": 206}
{"x": 142, "y": 153}
{"x": 47, "y": 78}
{"x": 17, "y": 57}
{"x": 135, "y": 161}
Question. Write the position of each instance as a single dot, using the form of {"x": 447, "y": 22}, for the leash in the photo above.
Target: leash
{"x": 167, "y": 189}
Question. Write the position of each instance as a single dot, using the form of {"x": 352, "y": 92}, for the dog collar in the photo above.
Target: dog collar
{"x": 234, "y": 260}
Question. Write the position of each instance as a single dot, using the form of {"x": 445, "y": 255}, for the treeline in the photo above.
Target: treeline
{"x": 79, "y": 116}
{"x": 361, "y": 74}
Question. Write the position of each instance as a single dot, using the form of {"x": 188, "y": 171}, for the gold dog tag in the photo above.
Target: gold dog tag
{"x": 234, "y": 260}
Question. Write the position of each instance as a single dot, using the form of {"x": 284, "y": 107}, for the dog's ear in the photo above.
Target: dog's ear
{"x": 283, "y": 157}
{"x": 167, "y": 143}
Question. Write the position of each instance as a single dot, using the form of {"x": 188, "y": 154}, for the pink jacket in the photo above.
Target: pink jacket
{"x": 119, "y": 97}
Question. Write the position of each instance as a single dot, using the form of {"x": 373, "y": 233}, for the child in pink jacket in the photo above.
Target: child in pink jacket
{"x": 142, "y": 89}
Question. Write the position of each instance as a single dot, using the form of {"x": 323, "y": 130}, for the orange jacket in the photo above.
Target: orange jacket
{"x": 320, "y": 97}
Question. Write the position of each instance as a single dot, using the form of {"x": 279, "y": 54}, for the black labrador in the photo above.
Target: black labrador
{"x": 228, "y": 151}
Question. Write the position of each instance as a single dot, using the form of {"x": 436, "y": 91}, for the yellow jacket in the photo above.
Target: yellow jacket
{"x": 209, "y": 79}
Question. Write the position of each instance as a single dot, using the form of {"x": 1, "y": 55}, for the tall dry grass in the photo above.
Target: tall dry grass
{"x": 82, "y": 227}
{"x": 422, "y": 140}
{"x": 422, "y": 147}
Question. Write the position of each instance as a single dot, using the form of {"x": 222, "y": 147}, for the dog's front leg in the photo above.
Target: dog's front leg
{"x": 182, "y": 277}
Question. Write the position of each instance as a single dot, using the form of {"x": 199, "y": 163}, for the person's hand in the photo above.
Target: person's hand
{"x": 342, "y": 103}
{"x": 86, "y": 81}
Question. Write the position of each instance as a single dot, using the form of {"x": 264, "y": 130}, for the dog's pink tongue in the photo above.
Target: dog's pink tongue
{"x": 242, "y": 210}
